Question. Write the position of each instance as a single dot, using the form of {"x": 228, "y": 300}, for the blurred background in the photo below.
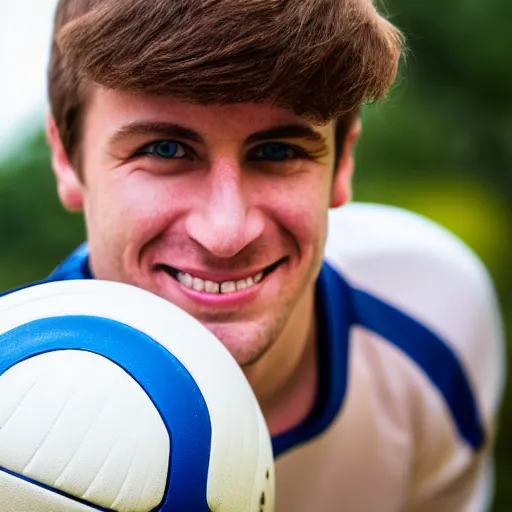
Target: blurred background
{"x": 441, "y": 145}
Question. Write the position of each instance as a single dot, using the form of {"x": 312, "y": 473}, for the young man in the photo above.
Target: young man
{"x": 205, "y": 142}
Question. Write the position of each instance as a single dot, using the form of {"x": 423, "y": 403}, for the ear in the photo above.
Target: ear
{"x": 342, "y": 184}
{"x": 69, "y": 186}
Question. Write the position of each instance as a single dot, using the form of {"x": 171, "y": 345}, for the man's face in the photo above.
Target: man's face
{"x": 218, "y": 209}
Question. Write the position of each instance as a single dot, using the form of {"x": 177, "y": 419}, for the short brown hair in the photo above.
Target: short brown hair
{"x": 320, "y": 58}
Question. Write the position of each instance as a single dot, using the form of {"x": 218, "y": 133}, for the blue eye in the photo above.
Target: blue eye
{"x": 166, "y": 149}
{"x": 275, "y": 152}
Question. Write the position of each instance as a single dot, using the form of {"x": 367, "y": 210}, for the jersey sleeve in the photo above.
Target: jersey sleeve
{"x": 449, "y": 475}
{"x": 431, "y": 276}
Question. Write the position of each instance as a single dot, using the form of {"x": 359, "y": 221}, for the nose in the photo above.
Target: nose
{"x": 223, "y": 222}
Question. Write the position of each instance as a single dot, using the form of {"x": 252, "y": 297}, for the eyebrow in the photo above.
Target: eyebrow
{"x": 165, "y": 130}
{"x": 176, "y": 131}
{"x": 293, "y": 131}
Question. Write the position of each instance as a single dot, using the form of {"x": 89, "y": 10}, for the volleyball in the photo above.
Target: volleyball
{"x": 113, "y": 399}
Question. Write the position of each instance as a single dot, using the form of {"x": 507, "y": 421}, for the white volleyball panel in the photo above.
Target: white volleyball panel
{"x": 241, "y": 450}
{"x": 265, "y": 477}
{"x": 241, "y": 471}
{"x": 18, "y": 495}
{"x": 77, "y": 422}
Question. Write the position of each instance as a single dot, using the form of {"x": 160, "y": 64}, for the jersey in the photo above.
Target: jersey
{"x": 412, "y": 365}
{"x": 411, "y": 372}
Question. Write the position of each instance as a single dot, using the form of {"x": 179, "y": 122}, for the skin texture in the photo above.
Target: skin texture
{"x": 226, "y": 207}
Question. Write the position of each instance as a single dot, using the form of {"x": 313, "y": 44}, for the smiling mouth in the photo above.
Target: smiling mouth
{"x": 214, "y": 287}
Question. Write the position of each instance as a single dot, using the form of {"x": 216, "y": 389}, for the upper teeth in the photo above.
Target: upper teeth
{"x": 201, "y": 285}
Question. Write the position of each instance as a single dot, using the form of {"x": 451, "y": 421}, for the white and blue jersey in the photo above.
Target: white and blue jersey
{"x": 411, "y": 372}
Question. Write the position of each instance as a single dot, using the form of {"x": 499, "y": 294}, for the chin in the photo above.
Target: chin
{"x": 246, "y": 343}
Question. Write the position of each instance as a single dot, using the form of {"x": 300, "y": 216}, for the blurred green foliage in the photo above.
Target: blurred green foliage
{"x": 441, "y": 145}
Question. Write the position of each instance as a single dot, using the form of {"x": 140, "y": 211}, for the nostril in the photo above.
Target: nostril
{"x": 224, "y": 231}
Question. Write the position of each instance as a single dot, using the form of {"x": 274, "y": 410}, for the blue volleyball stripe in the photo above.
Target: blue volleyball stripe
{"x": 54, "y": 490}
{"x": 165, "y": 380}
{"x": 431, "y": 354}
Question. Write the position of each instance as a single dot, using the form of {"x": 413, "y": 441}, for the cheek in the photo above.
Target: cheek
{"x": 299, "y": 206}
{"x": 133, "y": 207}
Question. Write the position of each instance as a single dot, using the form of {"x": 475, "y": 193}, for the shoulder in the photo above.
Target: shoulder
{"x": 371, "y": 235}
{"x": 424, "y": 271}
{"x": 75, "y": 266}
{"x": 406, "y": 259}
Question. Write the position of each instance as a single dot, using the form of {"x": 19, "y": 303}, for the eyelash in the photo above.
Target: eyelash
{"x": 150, "y": 150}
{"x": 298, "y": 153}
{"x": 188, "y": 153}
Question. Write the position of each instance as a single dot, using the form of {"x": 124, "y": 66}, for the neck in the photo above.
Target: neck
{"x": 285, "y": 379}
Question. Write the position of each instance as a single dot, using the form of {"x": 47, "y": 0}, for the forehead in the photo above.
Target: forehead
{"x": 107, "y": 110}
